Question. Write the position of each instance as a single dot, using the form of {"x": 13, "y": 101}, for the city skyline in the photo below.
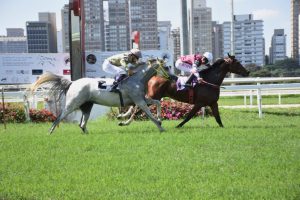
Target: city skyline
{"x": 275, "y": 14}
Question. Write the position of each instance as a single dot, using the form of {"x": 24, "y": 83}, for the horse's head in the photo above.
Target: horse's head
{"x": 235, "y": 66}
{"x": 159, "y": 64}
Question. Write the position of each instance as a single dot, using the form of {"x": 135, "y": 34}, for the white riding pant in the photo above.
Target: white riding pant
{"x": 186, "y": 67}
{"x": 112, "y": 69}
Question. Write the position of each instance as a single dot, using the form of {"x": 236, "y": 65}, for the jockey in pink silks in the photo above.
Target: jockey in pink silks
{"x": 191, "y": 64}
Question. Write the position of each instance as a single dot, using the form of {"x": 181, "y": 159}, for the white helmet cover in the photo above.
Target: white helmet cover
{"x": 136, "y": 52}
{"x": 209, "y": 56}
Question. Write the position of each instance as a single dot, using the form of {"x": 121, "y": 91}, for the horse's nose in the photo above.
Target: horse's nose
{"x": 248, "y": 73}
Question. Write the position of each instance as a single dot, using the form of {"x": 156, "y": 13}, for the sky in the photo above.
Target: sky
{"x": 274, "y": 13}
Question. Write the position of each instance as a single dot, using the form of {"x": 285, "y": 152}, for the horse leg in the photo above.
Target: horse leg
{"x": 143, "y": 105}
{"x": 86, "y": 111}
{"x": 134, "y": 108}
{"x": 191, "y": 114}
{"x": 69, "y": 107}
{"x": 158, "y": 106}
{"x": 215, "y": 111}
{"x": 55, "y": 123}
{"x": 61, "y": 116}
{"x": 129, "y": 112}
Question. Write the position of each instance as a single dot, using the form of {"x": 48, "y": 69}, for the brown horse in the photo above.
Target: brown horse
{"x": 204, "y": 94}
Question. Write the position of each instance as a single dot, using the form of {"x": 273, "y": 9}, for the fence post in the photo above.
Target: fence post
{"x": 3, "y": 109}
{"x": 34, "y": 101}
{"x": 279, "y": 98}
{"x": 251, "y": 97}
{"x": 202, "y": 112}
{"x": 26, "y": 107}
{"x": 259, "y": 101}
{"x": 245, "y": 100}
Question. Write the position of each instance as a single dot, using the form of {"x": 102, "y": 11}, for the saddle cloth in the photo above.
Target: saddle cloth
{"x": 105, "y": 83}
{"x": 180, "y": 83}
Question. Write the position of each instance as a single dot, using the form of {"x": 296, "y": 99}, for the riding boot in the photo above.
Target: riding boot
{"x": 116, "y": 83}
{"x": 188, "y": 83}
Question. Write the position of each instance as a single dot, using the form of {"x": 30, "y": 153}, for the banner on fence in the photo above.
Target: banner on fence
{"x": 26, "y": 68}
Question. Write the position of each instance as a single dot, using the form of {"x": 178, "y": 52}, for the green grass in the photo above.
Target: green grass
{"x": 250, "y": 158}
{"x": 266, "y": 100}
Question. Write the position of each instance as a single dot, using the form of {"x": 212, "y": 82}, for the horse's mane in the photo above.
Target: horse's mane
{"x": 218, "y": 62}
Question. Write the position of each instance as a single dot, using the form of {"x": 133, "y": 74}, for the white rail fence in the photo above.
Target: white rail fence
{"x": 247, "y": 87}
{"x": 259, "y": 87}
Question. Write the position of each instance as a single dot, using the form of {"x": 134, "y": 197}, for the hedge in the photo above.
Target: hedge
{"x": 15, "y": 113}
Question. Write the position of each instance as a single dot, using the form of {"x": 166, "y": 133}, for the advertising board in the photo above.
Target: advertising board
{"x": 26, "y": 68}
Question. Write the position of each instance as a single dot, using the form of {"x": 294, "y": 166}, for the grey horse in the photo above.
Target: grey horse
{"x": 83, "y": 93}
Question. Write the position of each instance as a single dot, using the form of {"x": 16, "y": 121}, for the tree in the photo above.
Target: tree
{"x": 282, "y": 68}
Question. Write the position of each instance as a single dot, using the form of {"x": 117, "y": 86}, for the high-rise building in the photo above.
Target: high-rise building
{"x": 144, "y": 19}
{"x": 94, "y": 25}
{"x": 164, "y": 35}
{"x": 38, "y": 39}
{"x": 65, "y": 28}
{"x": 42, "y": 34}
{"x": 278, "y": 46}
{"x": 118, "y": 32}
{"x": 248, "y": 42}
{"x": 15, "y": 32}
{"x": 14, "y": 42}
{"x": 200, "y": 27}
{"x": 199, "y": 3}
{"x": 217, "y": 40}
{"x": 51, "y": 19}
{"x": 295, "y": 11}
{"x": 175, "y": 37}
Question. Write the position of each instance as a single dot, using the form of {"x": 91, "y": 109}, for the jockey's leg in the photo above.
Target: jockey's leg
{"x": 190, "y": 79}
{"x": 119, "y": 78}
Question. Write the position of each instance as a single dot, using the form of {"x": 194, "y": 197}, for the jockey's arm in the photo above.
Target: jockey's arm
{"x": 131, "y": 68}
{"x": 123, "y": 62}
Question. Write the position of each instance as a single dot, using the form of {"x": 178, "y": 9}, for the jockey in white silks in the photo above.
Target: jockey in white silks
{"x": 122, "y": 65}
{"x": 192, "y": 63}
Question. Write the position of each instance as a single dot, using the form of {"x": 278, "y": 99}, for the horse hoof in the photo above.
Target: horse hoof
{"x": 120, "y": 124}
{"x": 85, "y": 132}
{"x": 50, "y": 131}
{"x": 162, "y": 129}
{"x": 178, "y": 126}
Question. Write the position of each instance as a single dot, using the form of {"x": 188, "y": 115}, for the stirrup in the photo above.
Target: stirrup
{"x": 115, "y": 90}
{"x": 188, "y": 85}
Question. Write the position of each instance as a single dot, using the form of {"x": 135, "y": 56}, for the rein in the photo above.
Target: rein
{"x": 163, "y": 71}
{"x": 210, "y": 84}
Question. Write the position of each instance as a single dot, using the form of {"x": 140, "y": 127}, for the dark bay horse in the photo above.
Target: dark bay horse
{"x": 205, "y": 94}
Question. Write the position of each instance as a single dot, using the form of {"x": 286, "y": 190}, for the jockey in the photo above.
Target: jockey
{"x": 122, "y": 65}
{"x": 192, "y": 63}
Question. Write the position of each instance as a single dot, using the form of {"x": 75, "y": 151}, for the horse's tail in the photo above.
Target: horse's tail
{"x": 58, "y": 84}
